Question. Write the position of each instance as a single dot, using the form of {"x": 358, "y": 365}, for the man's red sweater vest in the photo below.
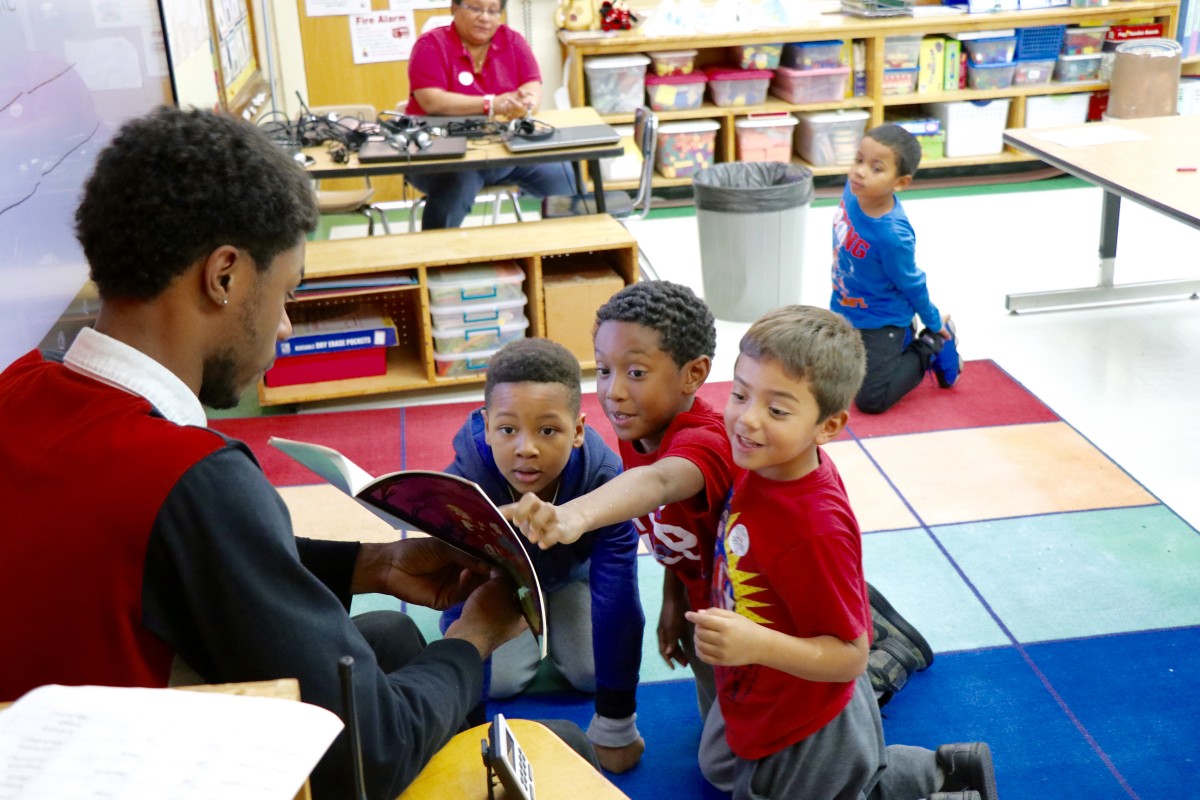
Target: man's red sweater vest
{"x": 85, "y": 468}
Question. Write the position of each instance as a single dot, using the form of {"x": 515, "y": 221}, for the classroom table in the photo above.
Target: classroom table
{"x": 485, "y": 154}
{"x": 1150, "y": 161}
{"x": 457, "y": 769}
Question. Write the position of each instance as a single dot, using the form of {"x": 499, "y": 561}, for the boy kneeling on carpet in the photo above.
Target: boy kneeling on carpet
{"x": 788, "y": 628}
{"x": 530, "y": 437}
{"x": 877, "y": 284}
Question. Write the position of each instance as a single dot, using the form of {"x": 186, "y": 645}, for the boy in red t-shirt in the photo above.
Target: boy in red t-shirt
{"x": 655, "y": 342}
{"x": 788, "y": 627}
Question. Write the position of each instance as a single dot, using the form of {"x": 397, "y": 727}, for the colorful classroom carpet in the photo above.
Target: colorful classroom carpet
{"x": 1059, "y": 595}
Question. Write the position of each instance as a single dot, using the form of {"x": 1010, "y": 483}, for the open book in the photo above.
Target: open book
{"x": 447, "y": 507}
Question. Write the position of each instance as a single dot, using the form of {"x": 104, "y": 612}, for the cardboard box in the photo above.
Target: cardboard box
{"x": 932, "y": 65}
{"x": 953, "y": 66}
{"x": 571, "y": 301}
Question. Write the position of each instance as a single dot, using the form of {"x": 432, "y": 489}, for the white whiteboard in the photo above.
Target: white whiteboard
{"x": 70, "y": 72}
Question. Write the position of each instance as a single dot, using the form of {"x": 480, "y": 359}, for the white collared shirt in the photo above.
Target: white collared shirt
{"x": 117, "y": 364}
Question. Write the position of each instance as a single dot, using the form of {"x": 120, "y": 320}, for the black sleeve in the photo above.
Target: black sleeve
{"x": 332, "y": 563}
{"x": 224, "y": 587}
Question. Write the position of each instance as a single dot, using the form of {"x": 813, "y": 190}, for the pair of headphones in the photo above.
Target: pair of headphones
{"x": 531, "y": 129}
{"x": 405, "y": 133}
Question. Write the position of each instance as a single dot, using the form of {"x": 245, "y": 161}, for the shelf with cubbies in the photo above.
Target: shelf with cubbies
{"x": 545, "y": 251}
{"x": 877, "y": 101}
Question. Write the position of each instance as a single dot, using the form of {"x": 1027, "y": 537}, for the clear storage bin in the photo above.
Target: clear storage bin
{"x": 973, "y": 127}
{"x": 625, "y": 167}
{"x": 1083, "y": 41}
{"x": 684, "y": 148}
{"x": 616, "y": 84}
{"x": 826, "y": 138}
{"x": 675, "y": 92}
{"x": 998, "y": 50}
{"x": 738, "y": 87}
{"x": 482, "y": 284}
{"x": 1077, "y": 69}
{"x": 500, "y": 312}
{"x": 673, "y": 62}
{"x": 766, "y": 137}
{"x": 458, "y": 365}
{"x": 478, "y": 336}
{"x": 902, "y": 52}
{"x": 1033, "y": 73}
{"x": 757, "y": 56}
{"x": 810, "y": 85}
{"x": 990, "y": 76}
{"x": 900, "y": 81}
{"x": 812, "y": 55}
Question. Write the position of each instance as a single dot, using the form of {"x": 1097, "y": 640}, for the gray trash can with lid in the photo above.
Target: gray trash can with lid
{"x": 751, "y": 217}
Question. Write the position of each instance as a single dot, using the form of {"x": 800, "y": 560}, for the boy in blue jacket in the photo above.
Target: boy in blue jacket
{"x": 877, "y": 284}
{"x": 530, "y": 436}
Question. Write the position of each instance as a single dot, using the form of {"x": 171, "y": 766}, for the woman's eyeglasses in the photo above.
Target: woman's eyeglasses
{"x": 494, "y": 13}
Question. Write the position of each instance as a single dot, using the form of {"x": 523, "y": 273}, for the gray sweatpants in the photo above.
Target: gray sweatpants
{"x": 845, "y": 760}
{"x": 569, "y": 616}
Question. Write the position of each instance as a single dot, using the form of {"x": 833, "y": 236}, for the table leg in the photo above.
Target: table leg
{"x": 597, "y": 186}
{"x": 1105, "y": 290}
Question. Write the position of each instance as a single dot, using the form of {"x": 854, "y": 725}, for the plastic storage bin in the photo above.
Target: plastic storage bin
{"x": 675, "y": 62}
{"x": 933, "y": 145}
{"x": 767, "y": 137}
{"x": 675, "y": 92}
{"x": 482, "y": 285}
{"x": 477, "y": 336}
{"x": 1038, "y": 44}
{"x": 627, "y": 167}
{"x": 1033, "y": 73}
{"x": 902, "y": 52}
{"x": 757, "y": 56}
{"x": 998, "y": 50}
{"x": 457, "y": 365}
{"x": 1051, "y": 110}
{"x": 738, "y": 87}
{"x": 826, "y": 138}
{"x": 616, "y": 84}
{"x": 973, "y": 127}
{"x": 684, "y": 148}
{"x": 501, "y": 312}
{"x": 990, "y": 76}
{"x": 900, "y": 81}
{"x": 812, "y": 55}
{"x": 1083, "y": 41}
{"x": 810, "y": 85}
{"x": 1077, "y": 69}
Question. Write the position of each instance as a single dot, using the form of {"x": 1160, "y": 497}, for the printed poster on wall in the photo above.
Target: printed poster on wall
{"x": 381, "y": 36}
{"x": 335, "y": 8}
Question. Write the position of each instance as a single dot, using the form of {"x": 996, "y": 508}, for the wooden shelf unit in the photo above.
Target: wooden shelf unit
{"x": 713, "y": 48}
{"x": 558, "y": 246}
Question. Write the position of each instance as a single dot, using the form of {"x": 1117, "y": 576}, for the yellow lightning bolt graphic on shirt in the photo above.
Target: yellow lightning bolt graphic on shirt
{"x": 744, "y": 604}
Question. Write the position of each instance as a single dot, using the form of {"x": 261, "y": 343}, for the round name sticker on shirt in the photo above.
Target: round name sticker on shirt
{"x": 738, "y": 541}
{"x": 466, "y": 78}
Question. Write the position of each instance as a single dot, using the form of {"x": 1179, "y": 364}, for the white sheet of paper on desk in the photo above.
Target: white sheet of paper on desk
{"x": 1092, "y": 134}
{"x": 76, "y": 742}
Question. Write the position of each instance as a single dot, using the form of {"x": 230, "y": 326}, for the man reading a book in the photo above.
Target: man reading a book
{"x": 143, "y": 548}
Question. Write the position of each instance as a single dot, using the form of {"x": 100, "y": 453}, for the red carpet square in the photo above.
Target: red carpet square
{"x": 370, "y": 439}
{"x": 429, "y": 433}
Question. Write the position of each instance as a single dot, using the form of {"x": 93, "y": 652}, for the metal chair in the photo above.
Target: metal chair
{"x": 618, "y": 203}
{"x": 350, "y": 201}
{"x": 494, "y": 193}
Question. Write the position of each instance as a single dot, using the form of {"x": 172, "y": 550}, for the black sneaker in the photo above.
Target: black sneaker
{"x": 898, "y": 650}
{"x": 968, "y": 766}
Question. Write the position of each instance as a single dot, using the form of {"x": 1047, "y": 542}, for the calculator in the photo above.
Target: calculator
{"x": 505, "y": 759}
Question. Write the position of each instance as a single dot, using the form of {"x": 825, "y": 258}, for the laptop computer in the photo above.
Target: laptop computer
{"x": 575, "y": 136}
{"x": 377, "y": 151}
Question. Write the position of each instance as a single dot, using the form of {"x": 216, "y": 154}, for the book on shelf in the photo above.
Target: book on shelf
{"x": 444, "y": 506}
{"x": 352, "y": 331}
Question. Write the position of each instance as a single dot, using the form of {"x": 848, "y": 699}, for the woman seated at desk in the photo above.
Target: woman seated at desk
{"x": 476, "y": 66}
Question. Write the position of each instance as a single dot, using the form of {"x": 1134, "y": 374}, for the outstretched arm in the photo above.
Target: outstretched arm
{"x": 627, "y": 496}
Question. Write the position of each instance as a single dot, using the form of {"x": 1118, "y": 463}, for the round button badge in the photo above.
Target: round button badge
{"x": 466, "y": 78}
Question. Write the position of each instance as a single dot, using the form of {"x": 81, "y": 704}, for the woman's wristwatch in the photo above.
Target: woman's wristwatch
{"x": 489, "y": 101}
